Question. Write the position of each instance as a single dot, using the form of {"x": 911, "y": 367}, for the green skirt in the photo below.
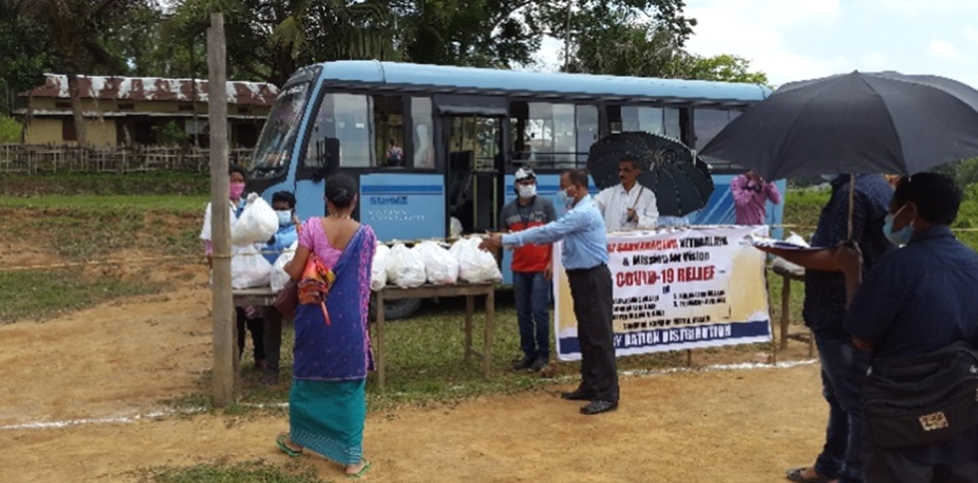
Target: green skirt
{"x": 328, "y": 418}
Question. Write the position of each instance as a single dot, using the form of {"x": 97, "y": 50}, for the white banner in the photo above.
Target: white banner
{"x": 676, "y": 289}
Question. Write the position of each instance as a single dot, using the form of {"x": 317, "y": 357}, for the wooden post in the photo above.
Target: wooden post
{"x": 225, "y": 370}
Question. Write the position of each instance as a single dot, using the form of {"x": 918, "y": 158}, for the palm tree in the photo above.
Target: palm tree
{"x": 76, "y": 28}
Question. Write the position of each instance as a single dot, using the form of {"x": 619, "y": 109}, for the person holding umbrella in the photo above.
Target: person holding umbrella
{"x": 628, "y": 205}
{"x": 843, "y": 366}
{"x": 751, "y": 193}
{"x": 916, "y": 301}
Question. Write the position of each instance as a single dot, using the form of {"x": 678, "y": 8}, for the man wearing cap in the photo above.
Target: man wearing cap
{"x": 531, "y": 271}
{"x": 628, "y": 205}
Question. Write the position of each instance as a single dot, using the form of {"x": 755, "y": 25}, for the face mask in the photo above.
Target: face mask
{"x": 901, "y": 237}
{"x": 237, "y": 189}
{"x": 566, "y": 198}
{"x": 527, "y": 191}
{"x": 829, "y": 177}
{"x": 284, "y": 217}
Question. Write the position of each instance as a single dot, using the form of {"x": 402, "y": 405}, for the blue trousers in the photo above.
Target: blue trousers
{"x": 532, "y": 293}
{"x": 843, "y": 368}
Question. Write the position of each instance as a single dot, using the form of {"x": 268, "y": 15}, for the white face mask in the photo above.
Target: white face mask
{"x": 527, "y": 191}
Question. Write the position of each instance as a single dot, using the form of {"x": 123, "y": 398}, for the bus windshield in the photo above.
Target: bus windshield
{"x": 278, "y": 136}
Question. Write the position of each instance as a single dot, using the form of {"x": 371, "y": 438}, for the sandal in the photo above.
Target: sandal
{"x": 796, "y": 476}
{"x": 280, "y": 441}
{"x": 357, "y": 475}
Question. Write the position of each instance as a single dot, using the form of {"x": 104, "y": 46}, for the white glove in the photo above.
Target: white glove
{"x": 252, "y": 197}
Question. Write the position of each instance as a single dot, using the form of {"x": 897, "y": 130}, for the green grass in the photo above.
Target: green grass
{"x": 169, "y": 203}
{"x": 41, "y": 294}
{"x": 250, "y": 472}
{"x": 105, "y": 184}
{"x": 85, "y": 233}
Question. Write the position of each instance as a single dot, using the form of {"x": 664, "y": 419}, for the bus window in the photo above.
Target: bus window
{"x": 654, "y": 120}
{"x": 389, "y": 131}
{"x": 421, "y": 124}
{"x": 587, "y": 131}
{"x": 345, "y": 117}
{"x": 278, "y": 136}
{"x": 708, "y": 122}
{"x": 545, "y": 134}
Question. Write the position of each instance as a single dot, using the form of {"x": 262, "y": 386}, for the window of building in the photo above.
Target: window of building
{"x": 68, "y": 130}
{"x": 346, "y": 118}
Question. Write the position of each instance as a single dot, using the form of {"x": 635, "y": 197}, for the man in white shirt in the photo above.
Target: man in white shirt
{"x": 628, "y": 205}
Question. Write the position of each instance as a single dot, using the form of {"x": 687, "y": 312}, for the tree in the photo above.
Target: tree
{"x": 624, "y": 47}
{"x": 271, "y": 39}
{"x": 76, "y": 29}
{"x": 26, "y": 55}
{"x": 723, "y": 67}
{"x": 504, "y": 33}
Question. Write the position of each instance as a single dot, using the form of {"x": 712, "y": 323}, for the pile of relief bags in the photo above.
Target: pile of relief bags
{"x": 427, "y": 262}
{"x": 432, "y": 263}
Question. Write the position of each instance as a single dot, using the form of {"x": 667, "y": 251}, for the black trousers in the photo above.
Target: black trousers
{"x": 272, "y": 338}
{"x": 257, "y": 329}
{"x": 593, "y": 298}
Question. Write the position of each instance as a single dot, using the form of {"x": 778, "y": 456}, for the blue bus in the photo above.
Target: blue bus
{"x": 435, "y": 147}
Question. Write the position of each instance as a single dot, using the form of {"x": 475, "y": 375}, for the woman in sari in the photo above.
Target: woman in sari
{"x": 332, "y": 354}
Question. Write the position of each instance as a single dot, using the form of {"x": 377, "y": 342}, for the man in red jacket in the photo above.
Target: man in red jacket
{"x": 532, "y": 270}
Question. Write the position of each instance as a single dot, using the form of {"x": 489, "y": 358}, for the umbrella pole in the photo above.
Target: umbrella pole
{"x": 852, "y": 202}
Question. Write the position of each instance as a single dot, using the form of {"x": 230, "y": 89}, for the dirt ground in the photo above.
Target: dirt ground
{"x": 124, "y": 358}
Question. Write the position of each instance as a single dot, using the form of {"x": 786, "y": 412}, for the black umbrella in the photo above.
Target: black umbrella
{"x": 854, "y": 123}
{"x": 681, "y": 184}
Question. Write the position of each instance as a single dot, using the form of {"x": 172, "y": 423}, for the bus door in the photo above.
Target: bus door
{"x": 474, "y": 131}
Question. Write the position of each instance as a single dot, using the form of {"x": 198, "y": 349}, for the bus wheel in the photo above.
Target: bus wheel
{"x": 397, "y": 309}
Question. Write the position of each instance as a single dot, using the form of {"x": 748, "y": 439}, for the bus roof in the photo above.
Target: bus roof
{"x": 470, "y": 80}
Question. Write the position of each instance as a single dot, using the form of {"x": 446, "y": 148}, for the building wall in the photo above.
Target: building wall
{"x": 50, "y": 130}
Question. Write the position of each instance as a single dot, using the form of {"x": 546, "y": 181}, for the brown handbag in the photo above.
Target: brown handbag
{"x": 288, "y": 299}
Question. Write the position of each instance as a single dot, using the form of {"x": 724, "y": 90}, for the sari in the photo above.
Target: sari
{"x": 332, "y": 354}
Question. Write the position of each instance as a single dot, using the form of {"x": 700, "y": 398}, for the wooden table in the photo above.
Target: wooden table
{"x": 786, "y": 277}
{"x": 467, "y": 290}
{"x": 265, "y": 296}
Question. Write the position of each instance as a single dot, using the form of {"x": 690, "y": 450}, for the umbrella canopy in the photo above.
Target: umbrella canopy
{"x": 681, "y": 184}
{"x": 854, "y": 123}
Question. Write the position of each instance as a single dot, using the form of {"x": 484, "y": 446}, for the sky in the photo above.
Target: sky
{"x": 793, "y": 40}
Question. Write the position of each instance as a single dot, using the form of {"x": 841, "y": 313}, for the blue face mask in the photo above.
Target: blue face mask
{"x": 901, "y": 237}
{"x": 284, "y": 217}
{"x": 566, "y": 198}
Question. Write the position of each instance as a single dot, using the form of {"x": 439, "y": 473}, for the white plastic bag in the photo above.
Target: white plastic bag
{"x": 279, "y": 278}
{"x": 475, "y": 264}
{"x": 405, "y": 268}
{"x": 441, "y": 267}
{"x": 249, "y": 268}
{"x": 378, "y": 272}
{"x": 258, "y": 222}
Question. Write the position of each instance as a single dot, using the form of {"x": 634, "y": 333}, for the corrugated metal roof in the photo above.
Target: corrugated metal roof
{"x": 154, "y": 89}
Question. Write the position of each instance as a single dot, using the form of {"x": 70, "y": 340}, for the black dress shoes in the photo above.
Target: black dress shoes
{"x": 525, "y": 363}
{"x": 578, "y": 395}
{"x": 598, "y": 407}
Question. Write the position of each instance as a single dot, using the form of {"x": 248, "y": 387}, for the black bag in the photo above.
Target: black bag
{"x": 921, "y": 400}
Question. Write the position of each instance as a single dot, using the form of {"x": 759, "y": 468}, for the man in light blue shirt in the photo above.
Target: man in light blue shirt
{"x": 585, "y": 259}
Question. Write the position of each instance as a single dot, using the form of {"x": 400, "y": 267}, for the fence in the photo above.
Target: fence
{"x": 45, "y": 159}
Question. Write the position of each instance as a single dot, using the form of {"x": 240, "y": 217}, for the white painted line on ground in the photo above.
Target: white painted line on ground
{"x": 167, "y": 412}
{"x": 109, "y": 420}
